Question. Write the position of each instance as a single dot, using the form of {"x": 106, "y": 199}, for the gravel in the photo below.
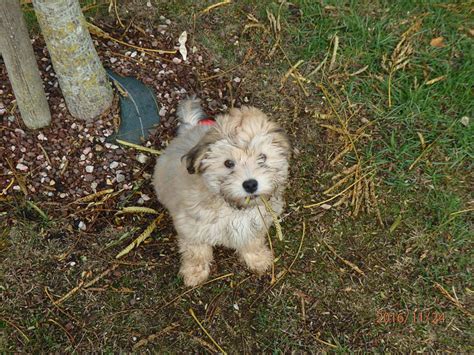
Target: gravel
{"x": 71, "y": 158}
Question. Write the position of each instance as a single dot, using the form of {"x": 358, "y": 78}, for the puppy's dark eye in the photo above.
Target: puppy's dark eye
{"x": 262, "y": 158}
{"x": 229, "y": 163}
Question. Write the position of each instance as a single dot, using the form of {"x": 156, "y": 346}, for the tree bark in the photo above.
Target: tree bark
{"x": 80, "y": 73}
{"x": 20, "y": 61}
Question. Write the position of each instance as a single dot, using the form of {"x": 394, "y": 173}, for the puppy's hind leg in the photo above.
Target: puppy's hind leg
{"x": 195, "y": 262}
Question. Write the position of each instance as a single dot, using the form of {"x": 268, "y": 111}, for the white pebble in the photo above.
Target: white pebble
{"x": 237, "y": 80}
{"x": 142, "y": 158}
{"x": 145, "y": 197}
{"x": 62, "y": 195}
{"x": 89, "y": 168}
{"x": 162, "y": 111}
{"x": 21, "y": 167}
{"x": 83, "y": 157}
{"x": 114, "y": 165}
{"x": 120, "y": 178}
{"x": 177, "y": 60}
{"x": 41, "y": 137}
{"x": 133, "y": 55}
{"x": 81, "y": 226}
{"x": 72, "y": 263}
{"x": 113, "y": 60}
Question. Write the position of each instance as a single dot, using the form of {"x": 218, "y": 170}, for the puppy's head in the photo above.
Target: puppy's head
{"x": 242, "y": 157}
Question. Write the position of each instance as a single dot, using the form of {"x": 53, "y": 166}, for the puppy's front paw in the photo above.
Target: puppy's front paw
{"x": 194, "y": 274}
{"x": 258, "y": 260}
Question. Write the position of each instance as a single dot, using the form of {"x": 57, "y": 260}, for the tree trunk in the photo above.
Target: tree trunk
{"x": 20, "y": 61}
{"x": 81, "y": 76}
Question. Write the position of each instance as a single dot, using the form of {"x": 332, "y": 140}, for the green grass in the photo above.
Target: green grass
{"x": 323, "y": 304}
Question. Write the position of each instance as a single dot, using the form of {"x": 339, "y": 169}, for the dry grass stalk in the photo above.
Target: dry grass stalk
{"x": 82, "y": 284}
{"x": 213, "y": 6}
{"x": 453, "y": 300}
{"x": 400, "y": 56}
{"x": 338, "y": 194}
{"x": 92, "y": 197}
{"x": 18, "y": 177}
{"x": 435, "y": 80}
{"x": 360, "y": 71}
{"x": 113, "y": 4}
{"x": 146, "y": 233}
{"x": 17, "y": 328}
{"x": 196, "y": 287}
{"x": 139, "y": 147}
{"x": 289, "y": 72}
{"x": 205, "y": 331}
{"x": 347, "y": 262}
{"x": 428, "y": 148}
{"x": 335, "y": 47}
{"x": 137, "y": 209}
{"x": 274, "y": 217}
{"x": 154, "y": 336}
{"x": 93, "y": 29}
{"x": 69, "y": 336}
{"x": 270, "y": 244}
{"x": 284, "y": 273}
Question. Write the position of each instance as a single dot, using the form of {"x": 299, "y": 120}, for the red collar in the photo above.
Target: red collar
{"x": 207, "y": 122}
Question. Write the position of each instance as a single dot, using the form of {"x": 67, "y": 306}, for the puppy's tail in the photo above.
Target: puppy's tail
{"x": 190, "y": 112}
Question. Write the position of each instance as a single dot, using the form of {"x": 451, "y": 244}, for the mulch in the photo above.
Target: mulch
{"x": 71, "y": 159}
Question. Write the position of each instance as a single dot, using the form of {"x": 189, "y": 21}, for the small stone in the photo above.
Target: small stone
{"x": 237, "y": 80}
{"x": 41, "y": 137}
{"x": 82, "y": 157}
{"x": 87, "y": 150}
{"x": 177, "y": 60}
{"x": 163, "y": 111}
{"x": 145, "y": 197}
{"x": 21, "y": 167}
{"x": 114, "y": 165}
{"x": 236, "y": 306}
{"x": 120, "y": 178}
{"x": 134, "y": 54}
{"x": 465, "y": 121}
{"x": 89, "y": 168}
{"x": 52, "y": 182}
{"x": 168, "y": 22}
{"x": 81, "y": 226}
{"x": 62, "y": 195}
{"x": 113, "y": 60}
{"x": 142, "y": 158}
{"x": 72, "y": 263}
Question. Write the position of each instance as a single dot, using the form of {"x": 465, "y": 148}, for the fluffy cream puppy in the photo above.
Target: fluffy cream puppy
{"x": 211, "y": 179}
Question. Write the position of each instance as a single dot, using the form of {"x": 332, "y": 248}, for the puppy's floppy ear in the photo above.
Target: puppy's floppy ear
{"x": 280, "y": 138}
{"x": 194, "y": 157}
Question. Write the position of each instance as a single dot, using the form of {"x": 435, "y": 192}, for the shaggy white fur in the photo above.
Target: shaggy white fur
{"x": 211, "y": 179}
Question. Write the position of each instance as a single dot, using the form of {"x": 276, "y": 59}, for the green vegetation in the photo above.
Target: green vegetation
{"x": 364, "y": 275}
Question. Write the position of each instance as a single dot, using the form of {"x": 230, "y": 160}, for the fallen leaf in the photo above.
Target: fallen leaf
{"x": 182, "y": 45}
{"x": 438, "y": 42}
{"x": 138, "y": 109}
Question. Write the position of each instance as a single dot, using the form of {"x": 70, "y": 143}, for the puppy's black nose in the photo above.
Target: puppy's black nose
{"x": 250, "y": 185}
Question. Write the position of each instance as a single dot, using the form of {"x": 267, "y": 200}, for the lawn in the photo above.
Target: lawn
{"x": 377, "y": 99}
